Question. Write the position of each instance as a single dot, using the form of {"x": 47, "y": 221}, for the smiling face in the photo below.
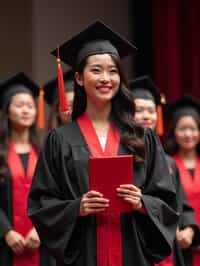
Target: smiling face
{"x": 22, "y": 111}
{"x": 187, "y": 133}
{"x": 100, "y": 79}
{"x": 145, "y": 113}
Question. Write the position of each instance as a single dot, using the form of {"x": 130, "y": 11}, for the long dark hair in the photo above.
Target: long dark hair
{"x": 122, "y": 113}
{"x": 5, "y": 130}
{"x": 172, "y": 146}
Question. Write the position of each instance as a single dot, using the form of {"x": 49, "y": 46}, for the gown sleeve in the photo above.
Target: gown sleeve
{"x": 5, "y": 203}
{"x": 5, "y": 224}
{"x": 53, "y": 205}
{"x": 158, "y": 226}
{"x": 188, "y": 219}
{"x": 187, "y": 216}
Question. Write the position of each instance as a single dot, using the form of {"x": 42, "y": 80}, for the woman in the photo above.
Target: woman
{"x": 183, "y": 144}
{"x": 102, "y": 126}
{"x": 146, "y": 99}
{"x": 56, "y": 117}
{"x": 19, "y": 241}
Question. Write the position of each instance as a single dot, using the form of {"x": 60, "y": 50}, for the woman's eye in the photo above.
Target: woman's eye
{"x": 114, "y": 71}
{"x": 95, "y": 70}
{"x": 30, "y": 106}
{"x": 151, "y": 111}
{"x": 18, "y": 105}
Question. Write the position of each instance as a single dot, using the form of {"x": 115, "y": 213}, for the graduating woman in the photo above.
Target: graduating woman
{"x": 56, "y": 117}
{"x": 19, "y": 241}
{"x": 183, "y": 144}
{"x": 147, "y": 100}
{"x": 61, "y": 205}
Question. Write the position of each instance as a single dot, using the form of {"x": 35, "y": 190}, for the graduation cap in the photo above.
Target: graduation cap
{"x": 19, "y": 83}
{"x": 51, "y": 87}
{"x": 183, "y": 106}
{"x": 97, "y": 38}
{"x": 144, "y": 88}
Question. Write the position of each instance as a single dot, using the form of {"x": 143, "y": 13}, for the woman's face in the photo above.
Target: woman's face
{"x": 145, "y": 113}
{"x": 65, "y": 117}
{"x": 100, "y": 78}
{"x": 22, "y": 111}
{"x": 187, "y": 134}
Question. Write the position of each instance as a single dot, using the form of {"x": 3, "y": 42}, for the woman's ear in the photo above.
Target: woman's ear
{"x": 79, "y": 78}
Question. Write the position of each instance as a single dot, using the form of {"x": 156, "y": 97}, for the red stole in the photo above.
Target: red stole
{"x": 109, "y": 238}
{"x": 191, "y": 187}
{"x": 21, "y": 183}
{"x": 169, "y": 261}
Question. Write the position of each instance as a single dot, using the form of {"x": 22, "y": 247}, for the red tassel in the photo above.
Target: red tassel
{"x": 41, "y": 109}
{"x": 160, "y": 122}
{"x": 63, "y": 106}
{"x": 159, "y": 127}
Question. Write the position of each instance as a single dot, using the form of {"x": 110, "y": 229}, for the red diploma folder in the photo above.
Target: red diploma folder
{"x": 106, "y": 174}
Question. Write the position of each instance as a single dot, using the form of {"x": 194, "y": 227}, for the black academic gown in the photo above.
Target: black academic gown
{"x": 61, "y": 178}
{"x": 6, "y": 218}
{"x": 187, "y": 216}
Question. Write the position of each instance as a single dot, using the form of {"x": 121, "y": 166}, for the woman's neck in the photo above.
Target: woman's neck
{"x": 21, "y": 140}
{"x": 20, "y": 136}
{"x": 98, "y": 113}
{"x": 188, "y": 154}
{"x": 99, "y": 116}
{"x": 188, "y": 157}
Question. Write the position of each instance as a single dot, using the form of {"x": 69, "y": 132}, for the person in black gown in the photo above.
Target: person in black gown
{"x": 19, "y": 147}
{"x": 147, "y": 99}
{"x": 183, "y": 144}
{"x": 63, "y": 209}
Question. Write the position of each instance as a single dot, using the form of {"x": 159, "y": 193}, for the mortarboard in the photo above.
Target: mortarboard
{"x": 51, "y": 88}
{"x": 144, "y": 88}
{"x": 97, "y": 38}
{"x": 19, "y": 83}
{"x": 183, "y": 106}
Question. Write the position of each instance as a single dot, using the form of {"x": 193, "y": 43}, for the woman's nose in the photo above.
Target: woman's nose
{"x": 105, "y": 77}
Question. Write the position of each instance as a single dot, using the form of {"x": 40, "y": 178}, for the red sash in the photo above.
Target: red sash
{"x": 21, "y": 183}
{"x": 109, "y": 238}
{"x": 169, "y": 261}
{"x": 191, "y": 187}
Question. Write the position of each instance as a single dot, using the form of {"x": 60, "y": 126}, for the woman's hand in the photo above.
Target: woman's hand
{"x": 131, "y": 194}
{"x": 93, "y": 202}
{"x": 15, "y": 241}
{"x": 184, "y": 237}
{"x": 32, "y": 240}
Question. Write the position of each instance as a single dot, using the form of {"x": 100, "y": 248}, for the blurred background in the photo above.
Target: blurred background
{"x": 166, "y": 33}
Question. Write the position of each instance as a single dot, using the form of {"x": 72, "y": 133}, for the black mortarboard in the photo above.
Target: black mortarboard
{"x": 183, "y": 106}
{"x": 144, "y": 88}
{"x": 97, "y": 38}
{"x": 51, "y": 88}
{"x": 17, "y": 84}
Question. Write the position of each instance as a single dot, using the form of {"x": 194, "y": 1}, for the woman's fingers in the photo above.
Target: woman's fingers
{"x": 93, "y": 202}
{"x": 18, "y": 247}
{"x": 93, "y": 193}
{"x": 131, "y": 194}
{"x": 123, "y": 191}
{"x": 130, "y": 187}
